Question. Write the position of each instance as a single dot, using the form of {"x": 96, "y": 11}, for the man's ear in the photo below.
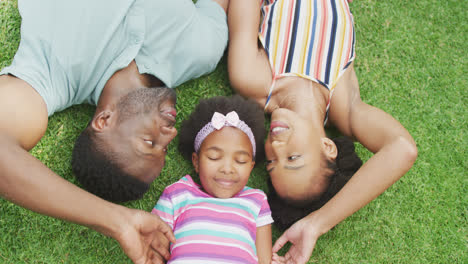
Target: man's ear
{"x": 195, "y": 161}
{"x": 329, "y": 148}
{"x": 102, "y": 120}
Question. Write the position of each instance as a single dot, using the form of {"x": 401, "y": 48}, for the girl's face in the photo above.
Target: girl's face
{"x": 224, "y": 162}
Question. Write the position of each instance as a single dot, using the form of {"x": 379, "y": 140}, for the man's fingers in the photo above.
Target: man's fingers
{"x": 165, "y": 229}
{"x": 161, "y": 247}
{"x": 280, "y": 242}
{"x": 156, "y": 258}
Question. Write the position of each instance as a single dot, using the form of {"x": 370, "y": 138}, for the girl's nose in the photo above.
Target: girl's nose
{"x": 227, "y": 167}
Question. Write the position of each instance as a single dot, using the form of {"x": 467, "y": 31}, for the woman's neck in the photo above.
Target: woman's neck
{"x": 305, "y": 97}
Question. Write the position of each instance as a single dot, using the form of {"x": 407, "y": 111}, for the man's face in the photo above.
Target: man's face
{"x": 144, "y": 129}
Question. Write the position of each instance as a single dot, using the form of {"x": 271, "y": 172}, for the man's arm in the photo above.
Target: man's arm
{"x": 27, "y": 182}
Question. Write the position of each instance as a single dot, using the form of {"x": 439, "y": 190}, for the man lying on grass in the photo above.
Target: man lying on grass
{"x": 106, "y": 53}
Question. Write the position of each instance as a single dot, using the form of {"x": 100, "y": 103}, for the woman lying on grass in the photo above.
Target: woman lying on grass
{"x": 295, "y": 58}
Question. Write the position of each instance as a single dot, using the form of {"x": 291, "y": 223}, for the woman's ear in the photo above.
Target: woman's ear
{"x": 195, "y": 161}
{"x": 102, "y": 120}
{"x": 329, "y": 148}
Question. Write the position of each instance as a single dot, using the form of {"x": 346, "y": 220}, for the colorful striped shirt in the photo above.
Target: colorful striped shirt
{"x": 313, "y": 39}
{"x": 209, "y": 229}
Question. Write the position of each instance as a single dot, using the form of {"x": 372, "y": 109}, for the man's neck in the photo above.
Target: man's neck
{"x": 121, "y": 83}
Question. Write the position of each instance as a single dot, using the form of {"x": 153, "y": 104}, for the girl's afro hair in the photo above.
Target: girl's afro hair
{"x": 248, "y": 110}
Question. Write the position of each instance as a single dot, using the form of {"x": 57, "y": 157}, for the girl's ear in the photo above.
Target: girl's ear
{"x": 329, "y": 148}
{"x": 102, "y": 120}
{"x": 195, "y": 161}
{"x": 252, "y": 165}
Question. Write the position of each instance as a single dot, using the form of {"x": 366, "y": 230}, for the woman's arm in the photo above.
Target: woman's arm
{"x": 394, "y": 148}
{"x": 248, "y": 67}
{"x": 263, "y": 244}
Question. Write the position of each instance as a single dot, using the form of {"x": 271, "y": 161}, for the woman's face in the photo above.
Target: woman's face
{"x": 294, "y": 157}
{"x": 224, "y": 162}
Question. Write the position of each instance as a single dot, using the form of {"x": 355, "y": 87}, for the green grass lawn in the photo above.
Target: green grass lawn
{"x": 411, "y": 62}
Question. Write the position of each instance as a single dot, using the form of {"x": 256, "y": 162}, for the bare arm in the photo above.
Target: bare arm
{"x": 24, "y": 180}
{"x": 248, "y": 67}
{"x": 263, "y": 244}
{"x": 394, "y": 148}
{"x": 395, "y": 152}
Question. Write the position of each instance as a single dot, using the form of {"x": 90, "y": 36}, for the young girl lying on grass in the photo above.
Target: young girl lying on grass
{"x": 221, "y": 220}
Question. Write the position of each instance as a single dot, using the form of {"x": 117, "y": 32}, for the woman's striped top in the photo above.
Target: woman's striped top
{"x": 313, "y": 39}
{"x": 210, "y": 229}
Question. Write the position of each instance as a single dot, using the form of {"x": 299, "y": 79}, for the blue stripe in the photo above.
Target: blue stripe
{"x": 268, "y": 33}
{"x": 332, "y": 44}
{"x": 312, "y": 38}
{"x": 292, "y": 44}
{"x": 352, "y": 47}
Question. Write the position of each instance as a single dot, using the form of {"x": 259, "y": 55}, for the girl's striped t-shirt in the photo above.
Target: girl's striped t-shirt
{"x": 210, "y": 229}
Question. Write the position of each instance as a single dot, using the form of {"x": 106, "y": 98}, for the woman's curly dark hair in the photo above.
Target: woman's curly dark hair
{"x": 345, "y": 165}
{"x": 248, "y": 110}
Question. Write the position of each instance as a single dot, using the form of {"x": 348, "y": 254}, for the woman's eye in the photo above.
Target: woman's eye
{"x": 268, "y": 162}
{"x": 293, "y": 157}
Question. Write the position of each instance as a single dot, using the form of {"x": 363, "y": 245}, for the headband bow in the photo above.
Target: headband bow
{"x": 219, "y": 121}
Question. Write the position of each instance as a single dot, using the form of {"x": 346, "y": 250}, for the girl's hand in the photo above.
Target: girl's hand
{"x": 303, "y": 235}
{"x": 145, "y": 237}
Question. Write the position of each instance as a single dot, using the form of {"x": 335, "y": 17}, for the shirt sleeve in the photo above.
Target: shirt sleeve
{"x": 165, "y": 209}
{"x": 264, "y": 216}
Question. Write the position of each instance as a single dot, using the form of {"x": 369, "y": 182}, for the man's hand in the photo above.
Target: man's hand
{"x": 303, "y": 237}
{"x": 145, "y": 237}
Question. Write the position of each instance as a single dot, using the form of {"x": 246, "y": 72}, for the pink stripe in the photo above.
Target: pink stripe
{"x": 212, "y": 206}
{"x": 288, "y": 38}
{"x": 267, "y": 11}
{"x": 318, "y": 67}
{"x": 213, "y": 239}
{"x": 211, "y": 248}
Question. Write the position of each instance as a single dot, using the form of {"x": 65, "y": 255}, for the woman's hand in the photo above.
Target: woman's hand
{"x": 303, "y": 235}
{"x": 145, "y": 237}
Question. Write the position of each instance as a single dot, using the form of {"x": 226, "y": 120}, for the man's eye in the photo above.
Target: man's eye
{"x": 293, "y": 157}
{"x": 268, "y": 162}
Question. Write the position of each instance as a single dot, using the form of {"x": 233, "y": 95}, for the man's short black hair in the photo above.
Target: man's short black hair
{"x": 248, "y": 110}
{"x": 99, "y": 173}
